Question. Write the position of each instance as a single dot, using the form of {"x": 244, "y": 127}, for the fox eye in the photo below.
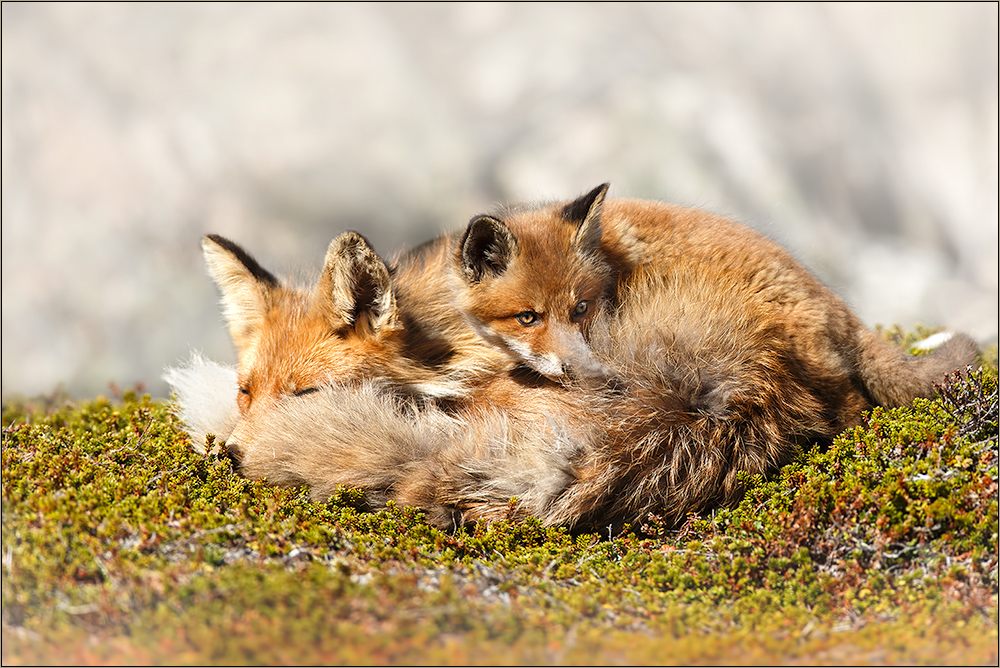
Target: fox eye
{"x": 243, "y": 399}
{"x": 527, "y": 318}
{"x": 581, "y": 308}
{"x": 308, "y": 390}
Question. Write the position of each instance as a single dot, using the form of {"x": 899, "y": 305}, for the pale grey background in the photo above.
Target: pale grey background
{"x": 862, "y": 137}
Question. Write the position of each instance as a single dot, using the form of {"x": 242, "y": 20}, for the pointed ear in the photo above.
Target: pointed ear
{"x": 355, "y": 289}
{"x": 245, "y": 286}
{"x": 487, "y": 247}
{"x": 585, "y": 212}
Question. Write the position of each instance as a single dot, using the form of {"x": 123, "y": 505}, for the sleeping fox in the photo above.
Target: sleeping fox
{"x": 592, "y": 287}
{"x": 371, "y": 379}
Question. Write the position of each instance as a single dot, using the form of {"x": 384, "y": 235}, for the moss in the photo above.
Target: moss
{"x": 122, "y": 545}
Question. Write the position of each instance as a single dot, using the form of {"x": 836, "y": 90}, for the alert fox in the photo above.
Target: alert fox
{"x": 343, "y": 384}
{"x": 591, "y": 286}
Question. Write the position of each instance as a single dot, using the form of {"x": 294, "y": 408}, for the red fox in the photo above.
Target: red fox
{"x": 591, "y": 286}
{"x": 332, "y": 389}
{"x": 373, "y": 379}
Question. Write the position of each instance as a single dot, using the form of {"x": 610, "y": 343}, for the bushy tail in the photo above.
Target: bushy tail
{"x": 895, "y": 378}
{"x": 456, "y": 469}
{"x": 678, "y": 440}
{"x": 205, "y": 398}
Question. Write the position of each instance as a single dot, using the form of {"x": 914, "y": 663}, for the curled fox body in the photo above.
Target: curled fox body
{"x": 669, "y": 351}
{"x": 332, "y": 389}
{"x": 592, "y": 287}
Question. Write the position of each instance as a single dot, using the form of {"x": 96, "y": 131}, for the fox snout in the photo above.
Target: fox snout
{"x": 583, "y": 367}
{"x": 232, "y": 451}
{"x": 570, "y": 355}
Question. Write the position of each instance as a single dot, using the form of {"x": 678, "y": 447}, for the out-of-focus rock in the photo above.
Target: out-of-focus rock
{"x": 864, "y": 137}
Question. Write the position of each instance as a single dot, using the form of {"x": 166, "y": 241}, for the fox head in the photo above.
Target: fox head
{"x": 532, "y": 283}
{"x": 290, "y": 342}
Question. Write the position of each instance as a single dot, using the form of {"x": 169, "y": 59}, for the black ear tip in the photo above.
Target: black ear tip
{"x": 598, "y": 193}
{"x": 244, "y": 258}
{"x": 586, "y": 206}
{"x": 487, "y": 247}
{"x": 219, "y": 240}
{"x": 479, "y": 229}
{"x": 480, "y": 224}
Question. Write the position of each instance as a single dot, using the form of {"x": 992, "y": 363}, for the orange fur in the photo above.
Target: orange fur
{"x": 545, "y": 260}
{"x": 344, "y": 385}
{"x": 680, "y": 379}
{"x": 342, "y": 400}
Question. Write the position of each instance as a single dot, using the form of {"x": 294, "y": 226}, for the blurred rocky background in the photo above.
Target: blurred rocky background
{"x": 863, "y": 137}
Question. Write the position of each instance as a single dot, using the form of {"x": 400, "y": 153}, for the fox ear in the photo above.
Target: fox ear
{"x": 355, "y": 288}
{"x": 246, "y": 287}
{"x": 585, "y": 212}
{"x": 488, "y": 247}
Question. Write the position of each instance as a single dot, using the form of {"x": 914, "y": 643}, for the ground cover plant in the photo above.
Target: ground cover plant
{"x": 122, "y": 545}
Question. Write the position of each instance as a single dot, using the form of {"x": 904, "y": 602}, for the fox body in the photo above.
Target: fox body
{"x": 668, "y": 351}
{"x": 333, "y": 388}
{"x": 590, "y": 287}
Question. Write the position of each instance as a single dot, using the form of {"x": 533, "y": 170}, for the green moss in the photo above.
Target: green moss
{"x": 123, "y": 545}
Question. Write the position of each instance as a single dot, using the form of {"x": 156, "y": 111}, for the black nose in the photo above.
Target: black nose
{"x": 232, "y": 452}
